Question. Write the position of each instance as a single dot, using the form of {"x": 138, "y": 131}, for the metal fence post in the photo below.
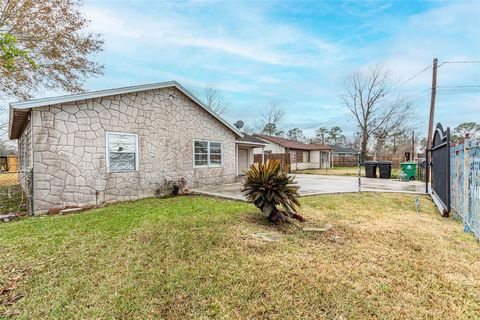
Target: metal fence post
{"x": 359, "y": 173}
{"x": 466, "y": 186}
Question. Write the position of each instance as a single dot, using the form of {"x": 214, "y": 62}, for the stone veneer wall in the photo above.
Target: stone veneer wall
{"x": 70, "y": 151}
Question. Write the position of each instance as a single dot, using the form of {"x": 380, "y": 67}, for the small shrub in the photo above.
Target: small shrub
{"x": 165, "y": 188}
{"x": 269, "y": 187}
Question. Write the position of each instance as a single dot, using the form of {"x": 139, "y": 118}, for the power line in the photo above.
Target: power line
{"x": 408, "y": 80}
{"x": 388, "y": 92}
{"x": 323, "y": 123}
{"x": 401, "y": 84}
{"x": 465, "y": 86}
{"x": 415, "y": 94}
{"x": 457, "y": 92}
{"x": 466, "y": 61}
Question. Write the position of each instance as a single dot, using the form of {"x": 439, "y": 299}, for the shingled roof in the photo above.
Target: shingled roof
{"x": 249, "y": 138}
{"x": 20, "y": 111}
{"x": 292, "y": 144}
{"x": 339, "y": 149}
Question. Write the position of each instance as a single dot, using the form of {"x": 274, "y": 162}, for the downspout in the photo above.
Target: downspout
{"x": 236, "y": 160}
{"x": 33, "y": 161}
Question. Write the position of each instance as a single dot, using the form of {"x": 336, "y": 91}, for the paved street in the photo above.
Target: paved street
{"x": 311, "y": 184}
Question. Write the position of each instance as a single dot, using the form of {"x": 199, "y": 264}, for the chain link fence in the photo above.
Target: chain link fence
{"x": 465, "y": 184}
{"x": 13, "y": 198}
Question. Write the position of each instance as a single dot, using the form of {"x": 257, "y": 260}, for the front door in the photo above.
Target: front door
{"x": 242, "y": 161}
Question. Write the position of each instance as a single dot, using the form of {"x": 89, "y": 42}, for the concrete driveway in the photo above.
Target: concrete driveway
{"x": 311, "y": 184}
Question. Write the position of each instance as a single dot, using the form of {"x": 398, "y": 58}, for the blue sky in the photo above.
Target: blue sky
{"x": 294, "y": 54}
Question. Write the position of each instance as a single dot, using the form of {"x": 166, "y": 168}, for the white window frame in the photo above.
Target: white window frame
{"x": 107, "y": 151}
{"x": 208, "y": 165}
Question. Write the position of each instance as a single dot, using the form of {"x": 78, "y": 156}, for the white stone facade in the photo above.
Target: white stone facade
{"x": 69, "y": 147}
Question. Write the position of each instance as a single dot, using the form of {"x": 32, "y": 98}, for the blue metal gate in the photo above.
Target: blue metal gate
{"x": 465, "y": 184}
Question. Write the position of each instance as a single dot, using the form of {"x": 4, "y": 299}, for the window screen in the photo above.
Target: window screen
{"x": 207, "y": 154}
{"x": 122, "y": 152}
{"x": 215, "y": 154}
{"x": 201, "y": 153}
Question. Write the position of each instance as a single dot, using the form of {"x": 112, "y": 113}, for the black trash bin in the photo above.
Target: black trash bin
{"x": 385, "y": 168}
{"x": 370, "y": 169}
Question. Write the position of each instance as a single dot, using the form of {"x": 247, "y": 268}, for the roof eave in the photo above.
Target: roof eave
{"x": 15, "y": 131}
{"x": 23, "y": 105}
{"x": 251, "y": 143}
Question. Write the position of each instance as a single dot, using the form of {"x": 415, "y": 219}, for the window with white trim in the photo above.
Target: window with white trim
{"x": 122, "y": 152}
{"x": 207, "y": 154}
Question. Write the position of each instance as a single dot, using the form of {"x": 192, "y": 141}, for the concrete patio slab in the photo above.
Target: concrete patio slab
{"x": 311, "y": 184}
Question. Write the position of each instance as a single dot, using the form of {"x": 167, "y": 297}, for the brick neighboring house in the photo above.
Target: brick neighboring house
{"x": 302, "y": 155}
{"x": 122, "y": 144}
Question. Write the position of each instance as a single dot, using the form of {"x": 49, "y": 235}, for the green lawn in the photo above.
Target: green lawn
{"x": 343, "y": 171}
{"x": 194, "y": 257}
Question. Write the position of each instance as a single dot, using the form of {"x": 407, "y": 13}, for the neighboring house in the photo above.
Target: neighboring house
{"x": 302, "y": 155}
{"x": 122, "y": 144}
{"x": 407, "y": 150}
{"x": 245, "y": 151}
{"x": 344, "y": 151}
{"x": 9, "y": 163}
{"x": 344, "y": 156}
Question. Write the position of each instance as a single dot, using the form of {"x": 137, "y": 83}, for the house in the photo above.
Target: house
{"x": 245, "y": 151}
{"x": 302, "y": 155}
{"x": 9, "y": 163}
{"x": 344, "y": 151}
{"x": 122, "y": 144}
{"x": 344, "y": 156}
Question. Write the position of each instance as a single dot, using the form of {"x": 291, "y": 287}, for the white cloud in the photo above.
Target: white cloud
{"x": 263, "y": 41}
{"x": 256, "y": 56}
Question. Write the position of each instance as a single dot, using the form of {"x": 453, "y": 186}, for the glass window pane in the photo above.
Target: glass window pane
{"x": 201, "y": 160}
{"x": 121, "y": 143}
{"x": 215, "y": 147}
{"x": 200, "y": 163}
{"x": 215, "y": 159}
{"x": 201, "y": 157}
{"x": 201, "y": 147}
{"x": 122, "y": 161}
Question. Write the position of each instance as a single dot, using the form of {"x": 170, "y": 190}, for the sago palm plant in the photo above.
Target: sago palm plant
{"x": 269, "y": 188}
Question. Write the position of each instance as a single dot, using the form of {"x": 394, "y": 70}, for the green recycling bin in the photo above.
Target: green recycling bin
{"x": 409, "y": 170}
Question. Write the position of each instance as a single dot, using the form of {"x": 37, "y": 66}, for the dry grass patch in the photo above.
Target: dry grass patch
{"x": 194, "y": 257}
{"x": 8, "y": 179}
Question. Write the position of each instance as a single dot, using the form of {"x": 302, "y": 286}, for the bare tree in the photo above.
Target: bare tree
{"x": 45, "y": 46}
{"x": 248, "y": 129}
{"x": 365, "y": 97}
{"x": 394, "y": 140}
{"x": 271, "y": 120}
{"x": 353, "y": 141}
{"x": 7, "y": 148}
{"x": 214, "y": 99}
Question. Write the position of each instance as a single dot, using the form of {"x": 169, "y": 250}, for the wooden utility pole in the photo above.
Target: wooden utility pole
{"x": 430, "y": 124}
